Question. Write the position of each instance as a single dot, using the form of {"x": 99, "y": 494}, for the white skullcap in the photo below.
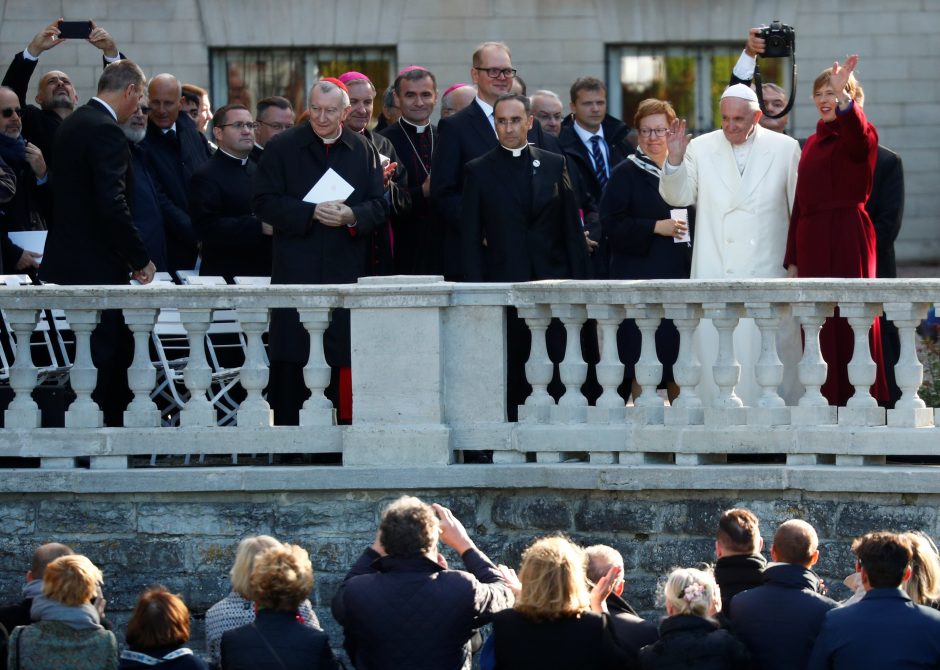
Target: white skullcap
{"x": 740, "y": 91}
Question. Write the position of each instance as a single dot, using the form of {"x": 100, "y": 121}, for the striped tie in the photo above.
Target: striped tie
{"x": 600, "y": 167}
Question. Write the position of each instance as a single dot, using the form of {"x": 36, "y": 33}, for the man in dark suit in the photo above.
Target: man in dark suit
{"x": 175, "y": 148}
{"x": 885, "y": 629}
{"x": 466, "y": 135}
{"x": 56, "y": 96}
{"x": 273, "y": 115}
{"x": 418, "y": 241}
{"x": 316, "y": 243}
{"x": 234, "y": 241}
{"x": 95, "y": 240}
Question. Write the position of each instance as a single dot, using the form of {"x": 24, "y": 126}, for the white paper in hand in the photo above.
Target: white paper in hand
{"x": 681, "y": 215}
{"x": 30, "y": 240}
{"x": 330, "y": 187}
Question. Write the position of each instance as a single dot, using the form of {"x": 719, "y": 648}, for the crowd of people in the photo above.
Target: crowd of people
{"x": 402, "y": 606}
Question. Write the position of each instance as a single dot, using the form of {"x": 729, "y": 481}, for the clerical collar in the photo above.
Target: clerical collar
{"x": 234, "y": 158}
{"x": 332, "y": 140}
{"x": 515, "y": 152}
{"x": 418, "y": 129}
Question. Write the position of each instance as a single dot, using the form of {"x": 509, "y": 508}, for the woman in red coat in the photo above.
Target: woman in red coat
{"x": 830, "y": 232}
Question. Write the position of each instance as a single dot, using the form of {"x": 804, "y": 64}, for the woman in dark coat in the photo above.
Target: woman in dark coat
{"x": 831, "y": 234}
{"x": 642, "y": 233}
{"x": 157, "y": 634}
{"x": 278, "y": 639}
{"x": 689, "y": 637}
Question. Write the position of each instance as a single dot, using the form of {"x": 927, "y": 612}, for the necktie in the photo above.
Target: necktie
{"x": 171, "y": 135}
{"x": 600, "y": 168}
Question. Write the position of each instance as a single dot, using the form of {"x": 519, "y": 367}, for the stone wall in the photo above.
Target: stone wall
{"x": 187, "y": 541}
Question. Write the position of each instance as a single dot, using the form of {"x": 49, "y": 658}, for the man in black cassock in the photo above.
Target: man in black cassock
{"x": 518, "y": 199}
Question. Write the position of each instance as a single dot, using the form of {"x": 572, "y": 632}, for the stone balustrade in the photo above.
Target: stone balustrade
{"x": 429, "y": 381}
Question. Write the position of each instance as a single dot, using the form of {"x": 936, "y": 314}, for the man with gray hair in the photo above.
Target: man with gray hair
{"x": 316, "y": 243}
{"x": 456, "y": 98}
{"x": 547, "y": 108}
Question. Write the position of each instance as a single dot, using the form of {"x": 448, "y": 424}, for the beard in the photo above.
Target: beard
{"x": 134, "y": 135}
{"x": 61, "y": 102}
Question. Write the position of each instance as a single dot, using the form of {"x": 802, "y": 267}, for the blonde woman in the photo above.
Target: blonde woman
{"x": 556, "y": 622}
{"x": 689, "y": 636}
{"x": 237, "y": 608}
{"x": 68, "y": 631}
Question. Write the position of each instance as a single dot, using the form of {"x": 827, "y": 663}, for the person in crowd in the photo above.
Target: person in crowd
{"x": 390, "y": 110}
{"x": 445, "y": 606}
{"x": 738, "y": 546}
{"x": 547, "y": 108}
{"x": 456, "y": 97}
{"x": 67, "y": 632}
{"x": 556, "y": 622}
{"x": 467, "y": 135}
{"x": 194, "y": 102}
{"x": 146, "y": 203}
{"x": 17, "y": 614}
{"x": 775, "y": 98}
{"x": 742, "y": 181}
{"x": 7, "y": 182}
{"x": 316, "y": 243}
{"x": 923, "y": 587}
{"x": 831, "y": 234}
{"x": 642, "y": 233}
{"x": 418, "y": 242}
{"x": 56, "y": 97}
{"x": 95, "y": 240}
{"x": 780, "y": 619}
{"x": 274, "y": 115}
{"x": 379, "y": 257}
{"x": 885, "y": 629}
{"x": 175, "y": 148}
{"x": 689, "y": 636}
{"x": 595, "y": 143}
{"x": 237, "y": 609}
{"x": 233, "y": 241}
{"x": 157, "y": 634}
{"x": 631, "y": 632}
{"x": 280, "y": 580}
{"x": 30, "y": 204}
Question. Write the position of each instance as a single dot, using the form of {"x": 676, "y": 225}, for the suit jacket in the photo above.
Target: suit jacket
{"x": 462, "y": 137}
{"x": 172, "y": 163}
{"x": 526, "y": 211}
{"x": 882, "y": 630}
{"x": 94, "y": 240}
{"x": 304, "y": 250}
{"x": 145, "y": 206}
{"x": 885, "y": 207}
{"x": 229, "y": 232}
{"x": 741, "y": 221}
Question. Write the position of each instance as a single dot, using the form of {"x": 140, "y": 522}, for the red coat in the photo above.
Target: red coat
{"x": 831, "y": 235}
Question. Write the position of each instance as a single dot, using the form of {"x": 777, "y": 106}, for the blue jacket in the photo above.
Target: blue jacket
{"x": 882, "y": 630}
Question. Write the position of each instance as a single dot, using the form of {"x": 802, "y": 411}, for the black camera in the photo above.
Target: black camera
{"x": 779, "y": 40}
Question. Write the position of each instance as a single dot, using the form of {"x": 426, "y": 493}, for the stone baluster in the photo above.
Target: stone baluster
{"x": 771, "y": 410}
{"x": 648, "y": 371}
{"x": 317, "y": 409}
{"x": 728, "y": 408}
{"x": 572, "y": 406}
{"x": 813, "y": 409}
{"x": 861, "y": 409}
{"x": 254, "y": 411}
{"x": 687, "y": 371}
{"x": 910, "y": 410}
{"x": 539, "y": 367}
{"x": 22, "y": 412}
{"x": 84, "y": 412}
{"x": 141, "y": 375}
{"x": 197, "y": 375}
{"x": 610, "y": 370}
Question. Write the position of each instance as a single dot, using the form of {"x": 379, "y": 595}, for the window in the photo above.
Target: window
{"x": 248, "y": 75}
{"x": 691, "y": 77}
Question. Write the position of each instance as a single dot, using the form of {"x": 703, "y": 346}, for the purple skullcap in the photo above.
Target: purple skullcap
{"x": 454, "y": 88}
{"x": 349, "y": 76}
{"x": 411, "y": 68}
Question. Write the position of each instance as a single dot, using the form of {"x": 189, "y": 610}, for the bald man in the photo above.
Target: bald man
{"x": 780, "y": 620}
{"x": 17, "y": 614}
{"x": 456, "y": 98}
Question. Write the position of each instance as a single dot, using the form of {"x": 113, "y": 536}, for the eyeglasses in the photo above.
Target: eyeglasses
{"x": 274, "y": 126}
{"x": 506, "y": 123}
{"x": 497, "y": 72}
{"x": 658, "y": 132}
{"x": 239, "y": 125}
{"x": 10, "y": 111}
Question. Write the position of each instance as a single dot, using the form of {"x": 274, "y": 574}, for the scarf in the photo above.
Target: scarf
{"x": 33, "y": 589}
{"x": 645, "y": 163}
{"x": 13, "y": 152}
{"x": 146, "y": 659}
{"x": 80, "y": 617}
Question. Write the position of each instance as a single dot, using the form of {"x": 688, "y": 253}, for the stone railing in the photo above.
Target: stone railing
{"x": 429, "y": 380}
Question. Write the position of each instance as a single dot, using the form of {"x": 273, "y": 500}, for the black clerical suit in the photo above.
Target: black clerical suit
{"x": 94, "y": 240}
{"x": 464, "y": 136}
{"x": 173, "y": 157}
{"x": 229, "y": 232}
{"x": 381, "y": 249}
{"x": 308, "y": 252}
{"x": 419, "y": 243}
{"x": 525, "y": 209}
